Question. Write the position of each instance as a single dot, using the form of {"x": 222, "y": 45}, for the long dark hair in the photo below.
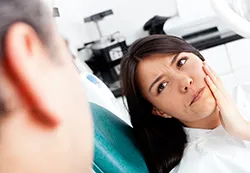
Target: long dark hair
{"x": 162, "y": 141}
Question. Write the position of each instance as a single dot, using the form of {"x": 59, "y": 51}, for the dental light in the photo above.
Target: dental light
{"x": 238, "y": 19}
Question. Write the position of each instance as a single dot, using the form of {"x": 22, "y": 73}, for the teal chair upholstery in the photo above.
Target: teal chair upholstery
{"x": 115, "y": 147}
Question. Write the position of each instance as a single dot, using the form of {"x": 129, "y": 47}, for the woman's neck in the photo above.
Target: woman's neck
{"x": 210, "y": 122}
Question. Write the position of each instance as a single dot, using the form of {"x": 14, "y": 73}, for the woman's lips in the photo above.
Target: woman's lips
{"x": 197, "y": 96}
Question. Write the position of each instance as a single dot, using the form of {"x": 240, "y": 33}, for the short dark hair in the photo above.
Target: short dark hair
{"x": 161, "y": 140}
{"x": 32, "y": 12}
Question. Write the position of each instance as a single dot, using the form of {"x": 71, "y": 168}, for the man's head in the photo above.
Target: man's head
{"x": 45, "y": 123}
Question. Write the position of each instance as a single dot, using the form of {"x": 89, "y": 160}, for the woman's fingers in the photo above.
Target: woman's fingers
{"x": 230, "y": 117}
{"x": 211, "y": 85}
{"x": 214, "y": 73}
{"x": 216, "y": 92}
{"x": 210, "y": 73}
{"x": 216, "y": 79}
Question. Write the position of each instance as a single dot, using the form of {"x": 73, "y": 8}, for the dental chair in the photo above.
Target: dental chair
{"x": 115, "y": 149}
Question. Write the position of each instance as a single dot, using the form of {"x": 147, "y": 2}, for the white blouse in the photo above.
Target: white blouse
{"x": 215, "y": 151}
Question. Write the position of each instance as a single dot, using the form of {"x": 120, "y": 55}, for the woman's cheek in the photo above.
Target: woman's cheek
{"x": 197, "y": 69}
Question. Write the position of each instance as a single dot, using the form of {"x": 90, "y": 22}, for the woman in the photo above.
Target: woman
{"x": 175, "y": 101}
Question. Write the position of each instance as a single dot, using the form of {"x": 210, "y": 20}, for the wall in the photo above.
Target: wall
{"x": 129, "y": 17}
{"x": 230, "y": 61}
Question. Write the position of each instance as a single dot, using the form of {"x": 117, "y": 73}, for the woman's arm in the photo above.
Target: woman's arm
{"x": 230, "y": 117}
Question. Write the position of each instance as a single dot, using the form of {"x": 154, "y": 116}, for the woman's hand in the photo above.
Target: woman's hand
{"x": 230, "y": 117}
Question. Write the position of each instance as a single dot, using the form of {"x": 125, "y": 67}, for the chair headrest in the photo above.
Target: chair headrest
{"x": 115, "y": 147}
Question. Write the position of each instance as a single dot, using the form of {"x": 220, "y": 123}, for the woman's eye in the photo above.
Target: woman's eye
{"x": 161, "y": 87}
{"x": 181, "y": 62}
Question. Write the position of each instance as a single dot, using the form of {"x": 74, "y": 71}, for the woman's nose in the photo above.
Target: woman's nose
{"x": 186, "y": 83}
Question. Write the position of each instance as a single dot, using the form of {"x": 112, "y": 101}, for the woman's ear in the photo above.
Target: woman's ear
{"x": 157, "y": 112}
{"x": 154, "y": 111}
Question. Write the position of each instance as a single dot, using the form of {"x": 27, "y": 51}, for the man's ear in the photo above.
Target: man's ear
{"x": 157, "y": 112}
{"x": 25, "y": 61}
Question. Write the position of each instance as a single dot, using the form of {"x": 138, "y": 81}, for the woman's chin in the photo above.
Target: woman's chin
{"x": 206, "y": 105}
{"x": 204, "y": 108}
{"x": 205, "y": 118}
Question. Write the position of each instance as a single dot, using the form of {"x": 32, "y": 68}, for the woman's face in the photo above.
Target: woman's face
{"x": 175, "y": 85}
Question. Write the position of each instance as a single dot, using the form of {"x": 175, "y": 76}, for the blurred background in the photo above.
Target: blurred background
{"x": 100, "y": 31}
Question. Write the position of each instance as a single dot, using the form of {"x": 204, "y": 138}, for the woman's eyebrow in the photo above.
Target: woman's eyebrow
{"x": 155, "y": 81}
{"x": 159, "y": 77}
{"x": 175, "y": 58}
